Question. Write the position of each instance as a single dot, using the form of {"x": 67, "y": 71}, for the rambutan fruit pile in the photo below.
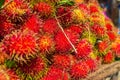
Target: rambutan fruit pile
{"x": 54, "y": 39}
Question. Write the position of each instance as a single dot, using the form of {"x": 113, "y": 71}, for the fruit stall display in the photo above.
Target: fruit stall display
{"x": 56, "y": 40}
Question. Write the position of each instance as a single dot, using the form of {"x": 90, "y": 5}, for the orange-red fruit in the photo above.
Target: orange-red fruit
{"x": 43, "y": 8}
{"x": 50, "y": 25}
{"x": 111, "y": 36}
{"x": 108, "y": 58}
{"x": 33, "y": 24}
{"x": 62, "y": 43}
{"x": 45, "y": 43}
{"x": 79, "y": 70}
{"x": 109, "y": 26}
{"x": 84, "y": 48}
{"x": 93, "y": 9}
{"x": 56, "y": 74}
{"x": 102, "y": 45}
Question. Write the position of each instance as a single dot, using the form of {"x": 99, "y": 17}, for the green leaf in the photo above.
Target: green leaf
{"x": 1, "y": 3}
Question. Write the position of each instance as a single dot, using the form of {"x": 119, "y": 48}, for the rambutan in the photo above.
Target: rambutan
{"x": 63, "y": 61}
{"x": 91, "y": 64}
{"x": 108, "y": 58}
{"x": 46, "y": 43}
{"x": 20, "y": 45}
{"x": 34, "y": 69}
{"x": 84, "y": 8}
{"x": 93, "y": 8}
{"x": 109, "y": 26}
{"x": 102, "y": 45}
{"x": 84, "y": 48}
{"x": 43, "y": 8}
{"x": 79, "y": 70}
{"x": 98, "y": 30}
{"x": 6, "y": 74}
{"x": 116, "y": 49}
{"x": 62, "y": 43}
{"x": 56, "y": 74}
{"x": 76, "y": 28}
{"x": 50, "y": 26}
{"x": 111, "y": 35}
{"x": 16, "y": 7}
{"x": 65, "y": 15}
{"x": 33, "y": 24}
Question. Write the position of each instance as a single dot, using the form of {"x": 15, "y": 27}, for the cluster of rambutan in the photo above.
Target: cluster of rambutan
{"x": 54, "y": 40}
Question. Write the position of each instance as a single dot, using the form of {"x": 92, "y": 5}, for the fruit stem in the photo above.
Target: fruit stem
{"x": 65, "y": 34}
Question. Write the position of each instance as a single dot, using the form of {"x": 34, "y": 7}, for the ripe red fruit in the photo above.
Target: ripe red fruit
{"x": 91, "y": 64}
{"x": 108, "y": 58}
{"x": 84, "y": 48}
{"x": 45, "y": 43}
{"x": 79, "y": 70}
{"x": 98, "y": 30}
{"x": 44, "y": 8}
{"x": 33, "y": 24}
{"x": 50, "y": 26}
{"x": 84, "y": 8}
{"x": 116, "y": 49}
{"x": 20, "y": 45}
{"x": 112, "y": 36}
{"x": 35, "y": 67}
{"x": 93, "y": 8}
{"x": 62, "y": 43}
{"x": 109, "y": 26}
{"x": 56, "y": 74}
{"x": 102, "y": 45}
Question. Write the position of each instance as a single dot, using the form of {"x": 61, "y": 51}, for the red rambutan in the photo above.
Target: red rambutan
{"x": 20, "y": 45}
{"x": 44, "y": 8}
{"x": 84, "y": 48}
{"x": 34, "y": 69}
{"x": 33, "y": 24}
{"x": 79, "y": 70}
{"x": 50, "y": 26}
{"x": 46, "y": 43}
{"x": 109, "y": 26}
{"x": 108, "y": 58}
{"x": 63, "y": 61}
{"x": 102, "y": 45}
{"x": 98, "y": 30}
{"x": 56, "y": 74}
{"x": 62, "y": 43}
{"x": 112, "y": 36}
{"x": 84, "y": 8}
{"x": 91, "y": 64}
{"x": 93, "y": 8}
{"x": 116, "y": 49}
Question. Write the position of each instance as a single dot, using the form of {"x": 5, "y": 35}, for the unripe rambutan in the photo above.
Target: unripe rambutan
{"x": 63, "y": 61}
{"x": 46, "y": 43}
{"x": 84, "y": 48}
{"x": 62, "y": 43}
{"x": 34, "y": 69}
{"x": 20, "y": 45}
{"x": 50, "y": 26}
{"x": 56, "y": 74}
{"x": 3, "y": 57}
{"x": 43, "y": 8}
{"x": 111, "y": 36}
{"x": 79, "y": 70}
{"x": 33, "y": 24}
{"x": 108, "y": 58}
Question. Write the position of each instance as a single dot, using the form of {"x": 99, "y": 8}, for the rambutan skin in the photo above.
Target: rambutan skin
{"x": 20, "y": 43}
{"x": 108, "y": 58}
{"x": 62, "y": 43}
{"x": 84, "y": 48}
{"x": 33, "y": 23}
{"x": 102, "y": 45}
{"x": 43, "y": 8}
{"x": 79, "y": 70}
{"x": 56, "y": 74}
{"x": 50, "y": 26}
{"x": 46, "y": 43}
{"x": 111, "y": 35}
